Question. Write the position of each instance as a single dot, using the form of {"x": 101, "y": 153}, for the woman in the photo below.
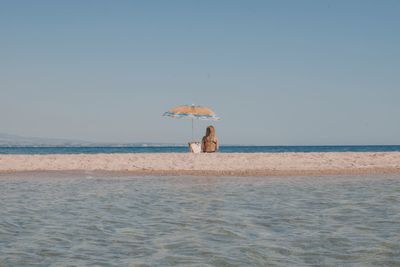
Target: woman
{"x": 209, "y": 143}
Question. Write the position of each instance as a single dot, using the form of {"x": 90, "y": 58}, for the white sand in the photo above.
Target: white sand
{"x": 237, "y": 164}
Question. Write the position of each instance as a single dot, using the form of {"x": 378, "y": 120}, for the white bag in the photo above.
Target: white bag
{"x": 195, "y": 147}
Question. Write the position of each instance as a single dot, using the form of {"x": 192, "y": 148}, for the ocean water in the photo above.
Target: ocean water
{"x": 183, "y": 149}
{"x": 86, "y": 219}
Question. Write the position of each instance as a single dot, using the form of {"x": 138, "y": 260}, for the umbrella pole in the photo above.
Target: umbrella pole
{"x": 192, "y": 130}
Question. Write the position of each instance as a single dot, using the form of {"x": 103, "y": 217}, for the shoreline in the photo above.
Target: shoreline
{"x": 101, "y": 173}
{"x": 218, "y": 164}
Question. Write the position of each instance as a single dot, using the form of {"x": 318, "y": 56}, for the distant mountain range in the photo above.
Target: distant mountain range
{"x": 11, "y": 140}
{"x": 16, "y": 140}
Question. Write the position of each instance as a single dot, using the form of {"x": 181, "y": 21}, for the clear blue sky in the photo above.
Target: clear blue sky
{"x": 277, "y": 72}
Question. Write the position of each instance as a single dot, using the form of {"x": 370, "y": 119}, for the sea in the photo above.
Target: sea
{"x": 72, "y": 219}
{"x": 184, "y": 149}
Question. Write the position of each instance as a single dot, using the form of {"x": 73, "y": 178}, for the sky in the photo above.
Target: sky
{"x": 277, "y": 72}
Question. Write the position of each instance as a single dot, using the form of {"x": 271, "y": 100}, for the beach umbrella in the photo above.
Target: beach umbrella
{"x": 192, "y": 112}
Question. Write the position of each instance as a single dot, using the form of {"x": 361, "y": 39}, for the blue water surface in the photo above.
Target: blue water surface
{"x": 89, "y": 219}
{"x": 183, "y": 149}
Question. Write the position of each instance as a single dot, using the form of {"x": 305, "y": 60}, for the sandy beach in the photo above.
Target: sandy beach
{"x": 225, "y": 164}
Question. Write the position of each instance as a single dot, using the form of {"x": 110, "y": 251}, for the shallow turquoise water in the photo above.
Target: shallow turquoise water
{"x": 53, "y": 219}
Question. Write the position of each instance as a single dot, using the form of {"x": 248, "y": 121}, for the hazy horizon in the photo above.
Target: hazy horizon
{"x": 276, "y": 72}
{"x": 18, "y": 140}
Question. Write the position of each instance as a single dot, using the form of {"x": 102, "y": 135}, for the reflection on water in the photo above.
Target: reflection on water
{"x": 86, "y": 219}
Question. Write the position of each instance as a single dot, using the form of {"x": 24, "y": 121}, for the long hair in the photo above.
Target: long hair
{"x": 210, "y": 133}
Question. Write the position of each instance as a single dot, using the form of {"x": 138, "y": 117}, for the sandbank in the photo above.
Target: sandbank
{"x": 217, "y": 164}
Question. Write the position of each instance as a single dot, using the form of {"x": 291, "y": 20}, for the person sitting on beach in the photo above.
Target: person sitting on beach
{"x": 209, "y": 143}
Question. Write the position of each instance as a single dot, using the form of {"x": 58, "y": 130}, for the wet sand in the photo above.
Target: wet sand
{"x": 218, "y": 164}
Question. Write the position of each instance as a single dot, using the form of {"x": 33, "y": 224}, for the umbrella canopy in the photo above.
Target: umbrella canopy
{"x": 192, "y": 112}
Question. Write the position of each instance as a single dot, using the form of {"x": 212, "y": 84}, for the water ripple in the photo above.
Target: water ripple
{"x": 70, "y": 220}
